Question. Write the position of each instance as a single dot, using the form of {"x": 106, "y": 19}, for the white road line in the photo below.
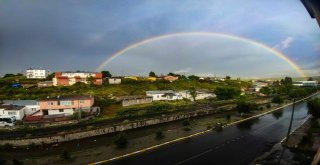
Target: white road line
{"x": 194, "y": 157}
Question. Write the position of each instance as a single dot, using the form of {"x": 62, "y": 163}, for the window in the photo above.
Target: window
{"x": 50, "y": 103}
{"x": 60, "y": 110}
{"x": 66, "y": 103}
{"x": 81, "y": 101}
{"x": 12, "y": 113}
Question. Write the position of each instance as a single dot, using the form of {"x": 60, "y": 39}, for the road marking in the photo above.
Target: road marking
{"x": 194, "y": 157}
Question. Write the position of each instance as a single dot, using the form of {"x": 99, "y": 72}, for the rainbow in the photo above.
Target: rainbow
{"x": 242, "y": 39}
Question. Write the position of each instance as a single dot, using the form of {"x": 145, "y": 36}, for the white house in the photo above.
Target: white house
{"x": 305, "y": 83}
{"x": 256, "y": 86}
{"x": 12, "y": 110}
{"x": 31, "y": 106}
{"x": 164, "y": 95}
{"x": 114, "y": 80}
{"x": 200, "y": 94}
{"x": 37, "y": 73}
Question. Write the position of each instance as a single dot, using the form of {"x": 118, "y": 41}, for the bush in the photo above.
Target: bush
{"x": 159, "y": 135}
{"x": 225, "y": 93}
{"x": 185, "y": 123}
{"x": 16, "y": 162}
{"x": 314, "y": 107}
{"x": 245, "y": 107}
{"x": 187, "y": 129}
{"x": 268, "y": 106}
{"x": 121, "y": 141}
{"x": 277, "y": 100}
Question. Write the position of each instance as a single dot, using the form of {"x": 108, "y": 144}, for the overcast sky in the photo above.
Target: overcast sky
{"x": 78, "y": 35}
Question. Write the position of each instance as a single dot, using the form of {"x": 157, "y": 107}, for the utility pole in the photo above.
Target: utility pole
{"x": 289, "y": 130}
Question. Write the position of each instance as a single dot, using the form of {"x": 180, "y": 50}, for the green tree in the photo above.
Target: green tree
{"x": 152, "y": 74}
{"x": 225, "y": 93}
{"x": 228, "y": 77}
{"x": 299, "y": 92}
{"x": 193, "y": 77}
{"x": 91, "y": 80}
{"x": 193, "y": 93}
{"x": 277, "y": 100}
{"x": 265, "y": 90}
{"x": 50, "y": 76}
{"x": 8, "y": 75}
{"x": 106, "y": 74}
{"x": 286, "y": 81}
{"x": 314, "y": 107}
{"x": 245, "y": 107}
{"x": 171, "y": 74}
{"x": 310, "y": 79}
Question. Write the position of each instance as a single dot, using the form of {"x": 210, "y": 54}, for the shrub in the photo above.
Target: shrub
{"x": 277, "y": 100}
{"x": 121, "y": 141}
{"x": 187, "y": 129}
{"x": 185, "y": 123}
{"x": 159, "y": 135}
{"x": 268, "y": 106}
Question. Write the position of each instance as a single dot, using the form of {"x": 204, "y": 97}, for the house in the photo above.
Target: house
{"x": 200, "y": 94}
{"x": 31, "y": 106}
{"x": 37, "y": 73}
{"x": 164, "y": 95}
{"x": 170, "y": 78}
{"x": 114, "y": 80}
{"x": 70, "y": 78}
{"x": 64, "y": 105}
{"x": 134, "y": 100}
{"x": 12, "y": 110}
{"x": 132, "y": 78}
{"x": 44, "y": 84}
{"x": 305, "y": 83}
{"x": 257, "y": 85}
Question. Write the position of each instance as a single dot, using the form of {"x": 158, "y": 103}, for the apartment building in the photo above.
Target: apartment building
{"x": 37, "y": 73}
{"x": 70, "y": 78}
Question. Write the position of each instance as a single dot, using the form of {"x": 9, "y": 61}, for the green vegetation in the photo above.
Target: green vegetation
{"x": 314, "y": 107}
{"x": 245, "y": 106}
{"x": 152, "y": 74}
{"x": 277, "y": 100}
{"x": 121, "y": 141}
{"x": 159, "y": 135}
{"x": 226, "y": 93}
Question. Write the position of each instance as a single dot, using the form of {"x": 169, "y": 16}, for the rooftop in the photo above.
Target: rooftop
{"x": 69, "y": 97}
{"x": 20, "y": 102}
{"x": 160, "y": 92}
{"x": 11, "y": 107}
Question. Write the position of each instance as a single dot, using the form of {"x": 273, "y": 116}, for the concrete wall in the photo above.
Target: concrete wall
{"x": 107, "y": 129}
{"x": 128, "y": 102}
{"x": 57, "y": 112}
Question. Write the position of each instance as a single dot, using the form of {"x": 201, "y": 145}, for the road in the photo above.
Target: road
{"x": 235, "y": 145}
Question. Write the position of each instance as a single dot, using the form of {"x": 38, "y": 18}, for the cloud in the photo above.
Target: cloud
{"x": 186, "y": 70}
{"x": 284, "y": 44}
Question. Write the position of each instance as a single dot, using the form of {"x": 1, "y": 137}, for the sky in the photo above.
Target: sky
{"x": 75, "y": 35}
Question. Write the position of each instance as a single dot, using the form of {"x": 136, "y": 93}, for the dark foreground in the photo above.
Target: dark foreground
{"x": 238, "y": 144}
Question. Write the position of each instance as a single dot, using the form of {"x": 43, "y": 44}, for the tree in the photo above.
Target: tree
{"x": 159, "y": 135}
{"x": 277, "y": 100}
{"x": 286, "y": 81}
{"x": 299, "y": 92}
{"x": 19, "y": 74}
{"x": 265, "y": 90}
{"x": 106, "y": 74}
{"x": 245, "y": 107}
{"x": 152, "y": 74}
{"x": 121, "y": 141}
{"x": 310, "y": 79}
{"x": 193, "y": 93}
{"x": 8, "y": 75}
{"x": 225, "y": 93}
{"x": 314, "y": 107}
{"x": 171, "y": 74}
{"x": 50, "y": 76}
{"x": 193, "y": 77}
{"x": 91, "y": 80}
{"x": 228, "y": 77}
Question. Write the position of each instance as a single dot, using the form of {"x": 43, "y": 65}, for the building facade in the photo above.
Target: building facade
{"x": 114, "y": 80}
{"x": 70, "y": 78}
{"x": 305, "y": 83}
{"x": 12, "y": 110}
{"x": 37, "y": 73}
{"x": 164, "y": 95}
{"x": 31, "y": 106}
{"x": 64, "y": 105}
{"x": 134, "y": 100}
{"x": 200, "y": 94}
